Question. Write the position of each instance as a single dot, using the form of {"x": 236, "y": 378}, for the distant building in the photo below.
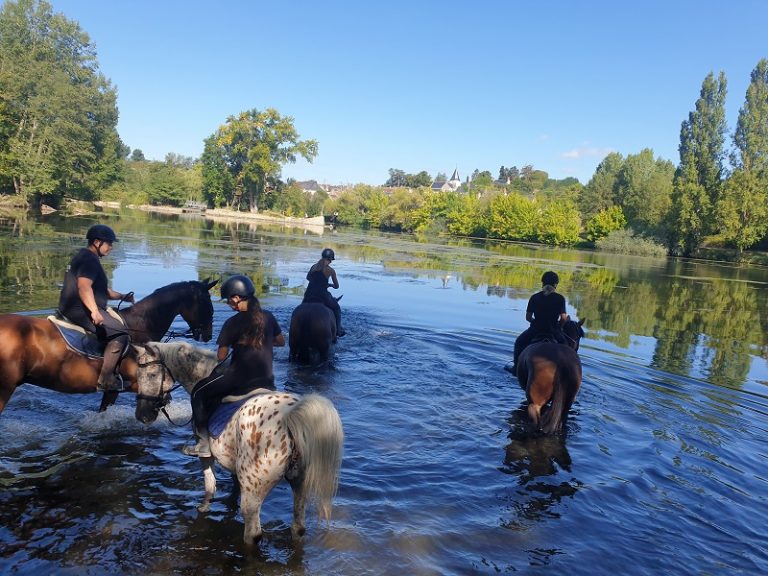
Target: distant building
{"x": 310, "y": 186}
{"x": 450, "y": 185}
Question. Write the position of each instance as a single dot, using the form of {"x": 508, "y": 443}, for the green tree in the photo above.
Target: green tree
{"x": 751, "y": 135}
{"x": 600, "y": 192}
{"x": 644, "y": 191}
{"x": 743, "y": 209}
{"x": 513, "y": 217}
{"x": 699, "y": 175}
{"x": 559, "y": 224}
{"x": 58, "y": 114}
{"x": 218, "y": 183}
{"x": 252, "y": 147}
{"x": 605, "y": 222}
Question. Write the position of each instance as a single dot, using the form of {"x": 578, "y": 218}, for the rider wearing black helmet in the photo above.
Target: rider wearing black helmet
{"x": 83, "y": 301}
{"x": 546, "y": 314}
{"x": 251, "y": 334}
{"x": 317, "y": 290}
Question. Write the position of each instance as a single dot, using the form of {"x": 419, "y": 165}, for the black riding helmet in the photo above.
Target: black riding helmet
{"x": 100, "y": 232}
{"x": 328, "y": 254}
{"x": 237, "y": 285}
{"x": 550, "y": 279}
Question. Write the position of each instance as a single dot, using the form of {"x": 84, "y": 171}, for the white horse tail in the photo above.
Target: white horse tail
{"x": 318, "y": 435}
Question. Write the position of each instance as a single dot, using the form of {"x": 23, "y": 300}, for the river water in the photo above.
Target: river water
{"x": 662, "y": 471}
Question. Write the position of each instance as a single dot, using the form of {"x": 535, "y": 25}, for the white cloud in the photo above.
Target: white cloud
{"x": 587, "y": 152}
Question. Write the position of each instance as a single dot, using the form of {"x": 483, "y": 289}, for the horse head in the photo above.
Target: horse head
{"x": 155, "y": 382}
{"x": 573, "y": 332}
{"x": 197, "y": 310}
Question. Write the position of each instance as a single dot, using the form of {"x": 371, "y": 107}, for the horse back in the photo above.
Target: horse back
{"x": 313, "y": 328}
{"x": 33, "y": 351}
{"x": 541, "y": 363}
{"x": 256, "y": 433}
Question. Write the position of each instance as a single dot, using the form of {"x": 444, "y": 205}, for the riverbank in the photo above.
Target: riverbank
{"x": 225, "y": 215}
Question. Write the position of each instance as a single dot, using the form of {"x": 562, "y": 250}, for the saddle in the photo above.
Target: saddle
{"x": 229, "y": 405}
{"x": 79, "y": 339}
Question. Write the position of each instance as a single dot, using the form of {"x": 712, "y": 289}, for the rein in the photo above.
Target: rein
{"x": 162, "y": 398}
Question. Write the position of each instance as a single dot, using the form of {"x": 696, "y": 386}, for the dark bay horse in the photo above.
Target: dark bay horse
{"x": 312, "y": 333}
{"x": 550, "y": 371}
{"x": 33, "y": 351}
{"x": 271, "y": 436}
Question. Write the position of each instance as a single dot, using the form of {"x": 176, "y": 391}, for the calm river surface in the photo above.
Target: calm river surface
{"x": 663, "y": 469}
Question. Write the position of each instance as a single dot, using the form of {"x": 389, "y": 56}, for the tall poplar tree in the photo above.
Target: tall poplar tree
{"x": 743, "y": 206}
{"x": 699, "y": 175}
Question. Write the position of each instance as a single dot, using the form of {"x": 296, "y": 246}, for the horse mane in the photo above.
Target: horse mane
{"x": 188, "y": 363}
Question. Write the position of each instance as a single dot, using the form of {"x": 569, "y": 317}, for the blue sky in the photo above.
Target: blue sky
{"x": 417, "y": 85}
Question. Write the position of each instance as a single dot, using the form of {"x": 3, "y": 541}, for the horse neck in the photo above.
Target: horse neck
{"x": 188, "y": 364}
{"x": 151, "y": 317}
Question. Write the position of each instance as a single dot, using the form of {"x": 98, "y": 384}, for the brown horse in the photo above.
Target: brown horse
{"x": 312, "y": 333}
{"x": 550, "y": 371}
{"x": 33, "y": 350}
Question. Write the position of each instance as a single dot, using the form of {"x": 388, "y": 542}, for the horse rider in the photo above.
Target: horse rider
{"x": 251, "y": 334}
{"x": 83, "y": 301}
{"x": 317, "y": 290}
{"x": 546, "y": 315}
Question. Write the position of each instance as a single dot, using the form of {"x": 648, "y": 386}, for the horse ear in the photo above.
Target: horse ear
{"x": 581, "y": 322}
{"x": 210, "y": 283}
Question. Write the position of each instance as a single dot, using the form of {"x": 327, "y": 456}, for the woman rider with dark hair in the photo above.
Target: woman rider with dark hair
{"x": 546, "y": 314}
{"x": 251, "y": 334}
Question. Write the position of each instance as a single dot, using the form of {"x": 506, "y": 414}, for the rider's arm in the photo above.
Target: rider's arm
{"x": 85, "y": 291}
{"x": 222, "y": 353}
{"x": 114, "y": 295}
{"x": 332, "y": 276}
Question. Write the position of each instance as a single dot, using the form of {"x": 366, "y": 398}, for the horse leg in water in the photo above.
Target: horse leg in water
{"x": 209, "y": 478}
{"x": 296, "y": 480}
{"x": 253, "y": 491}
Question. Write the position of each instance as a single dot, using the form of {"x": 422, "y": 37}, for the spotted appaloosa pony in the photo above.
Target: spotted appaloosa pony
{"x": 271, "y": 436}
{"x": 550, "y": 371}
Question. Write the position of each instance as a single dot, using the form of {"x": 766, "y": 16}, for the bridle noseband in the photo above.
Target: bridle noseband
{"x": 160, "y": 401}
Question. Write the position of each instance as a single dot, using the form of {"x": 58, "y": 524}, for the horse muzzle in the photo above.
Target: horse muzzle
{"x": 148, "y": 407}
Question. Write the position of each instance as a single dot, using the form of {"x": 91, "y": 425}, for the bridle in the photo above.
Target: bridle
{"x": 159, "y": 401}
{"x": 573, "y": 342}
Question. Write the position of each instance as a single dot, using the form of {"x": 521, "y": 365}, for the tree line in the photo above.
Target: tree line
{"x": 59, "y": 141}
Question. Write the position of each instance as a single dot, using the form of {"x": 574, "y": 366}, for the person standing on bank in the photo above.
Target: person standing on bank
{"x": 546, "y": 314}
{"x": 251, "y": 334}
{"x": 83, "y": 301}
{"x": 317, "y": 290}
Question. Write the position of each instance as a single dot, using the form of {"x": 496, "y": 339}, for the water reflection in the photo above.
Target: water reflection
{"x": 539, "y": 464}
{"x": 700, "y": 319}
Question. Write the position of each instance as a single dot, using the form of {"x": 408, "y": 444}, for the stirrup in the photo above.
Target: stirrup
{"x": 199, "y": 450}
{"x": 116, "y": 384}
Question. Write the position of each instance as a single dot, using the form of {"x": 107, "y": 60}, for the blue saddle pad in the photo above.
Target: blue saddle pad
{"x": 221, "y": 416}
{"x": 86, "y": 344}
